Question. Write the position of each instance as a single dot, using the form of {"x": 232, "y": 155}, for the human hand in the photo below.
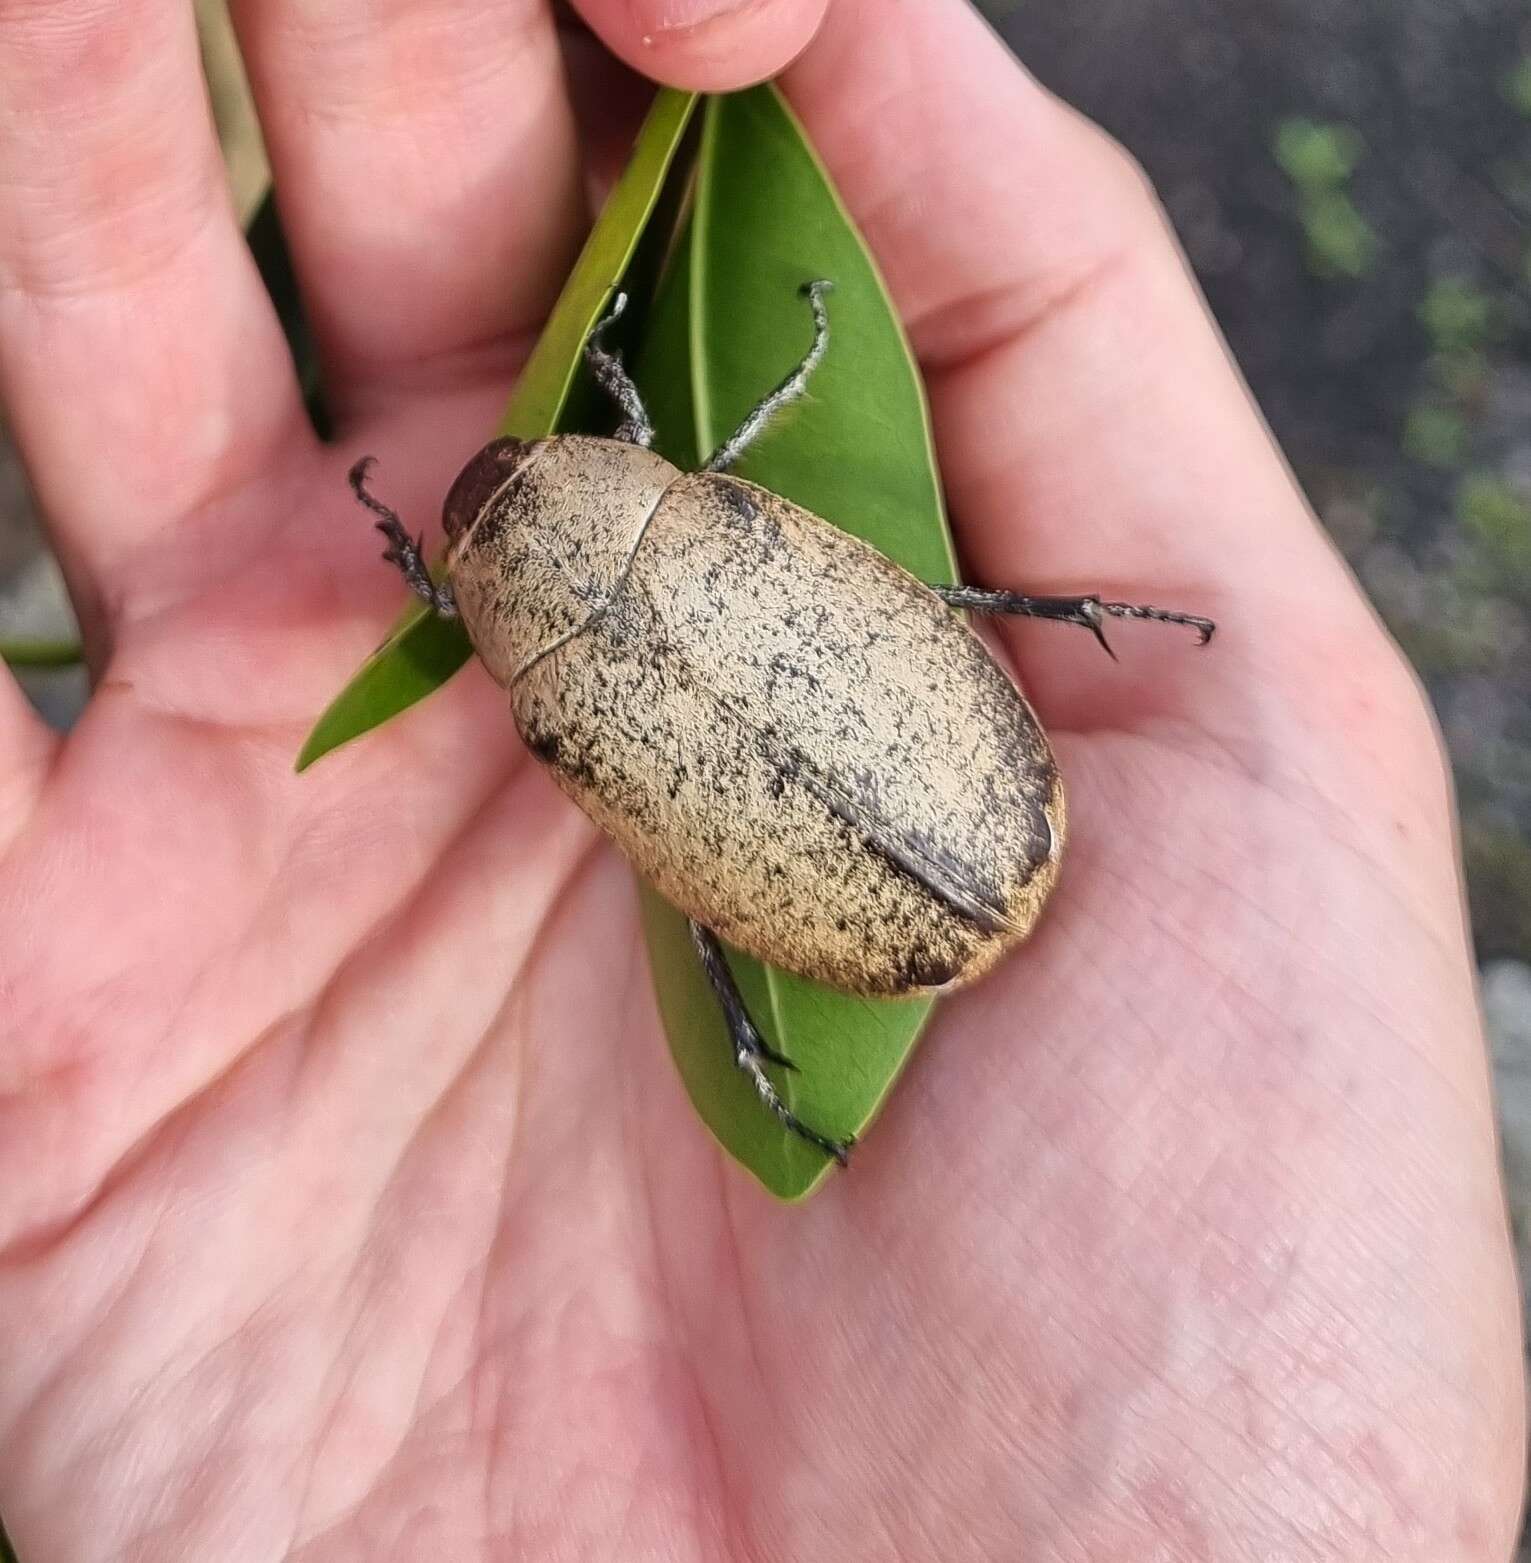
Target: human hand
{"x": 349, "y": 1205}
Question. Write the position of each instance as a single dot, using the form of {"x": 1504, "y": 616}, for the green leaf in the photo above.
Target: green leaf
{"x": 1517, "y": 84}
{"x": 422, "y": 651}
{"x": 6, "y": 1554}
{"x": 273, "y": 260}
{"x": 1317, "y": 157}
{"x": 1459, "y": 317}
{"x": 1341, "y": 243}
{"x": 24, "y": 651}
{"x": 727, "y": 325}
{"x": 1436, "y": 436}
{"x": 1495, "y": 517}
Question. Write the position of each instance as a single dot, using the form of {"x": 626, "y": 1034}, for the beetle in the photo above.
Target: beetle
{"x": 803, "y": 747}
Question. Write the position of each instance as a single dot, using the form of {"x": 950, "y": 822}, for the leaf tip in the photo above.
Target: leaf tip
{"x": 314, "y": 748}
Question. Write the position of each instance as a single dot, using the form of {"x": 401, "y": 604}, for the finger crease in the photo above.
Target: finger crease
{"x": 959, "y": 334}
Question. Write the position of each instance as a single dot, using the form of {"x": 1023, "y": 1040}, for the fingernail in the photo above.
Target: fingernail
{"x": 675, "y": 16}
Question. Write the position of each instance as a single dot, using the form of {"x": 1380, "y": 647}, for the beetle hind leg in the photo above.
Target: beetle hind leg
{"x": 751, "y": 1052}
{"x": 636, "y": 428}
{"x": 1089, "y": 611}
{"x": 790, "y": 389}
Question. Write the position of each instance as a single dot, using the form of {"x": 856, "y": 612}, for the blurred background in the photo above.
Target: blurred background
{"x": 1352, "y": 184}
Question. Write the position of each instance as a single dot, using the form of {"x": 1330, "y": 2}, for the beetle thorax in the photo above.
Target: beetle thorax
{"x": 550, "y": 546}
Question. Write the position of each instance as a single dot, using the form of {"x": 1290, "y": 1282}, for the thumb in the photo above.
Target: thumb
{"x": 706, "y": 45}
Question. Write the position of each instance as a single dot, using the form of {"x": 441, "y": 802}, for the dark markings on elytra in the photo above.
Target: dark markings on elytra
{"x": 738, "y": 501}
{"x": 915, "y": 854}
{"x": 922, "y": 969}
{"x": 790, "y": 736}
{"x": 546, "y": 746}
{"x": 924, "y": 862}
{"x": 932, "y": 867}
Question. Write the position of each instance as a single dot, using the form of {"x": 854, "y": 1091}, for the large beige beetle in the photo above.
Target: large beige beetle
{"x": 802, "y": 746}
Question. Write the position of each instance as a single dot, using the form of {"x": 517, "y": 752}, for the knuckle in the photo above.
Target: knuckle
{"x": 1126, "y": 185}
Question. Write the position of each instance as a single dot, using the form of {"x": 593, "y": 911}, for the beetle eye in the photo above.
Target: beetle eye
{"x": 477, "y": 482}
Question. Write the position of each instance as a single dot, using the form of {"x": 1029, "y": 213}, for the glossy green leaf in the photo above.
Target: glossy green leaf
{"x": 422, "y": 651}
{"x": 727, "y": 325}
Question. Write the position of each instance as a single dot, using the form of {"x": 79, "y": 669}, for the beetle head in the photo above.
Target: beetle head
{"x": 477, "y": 482}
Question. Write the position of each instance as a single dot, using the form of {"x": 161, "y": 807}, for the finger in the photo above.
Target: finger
{"x": 27, "y": 747}
{"x": 139, "y": 360}
{"x": 1092, "y": 431}
{"x": 426, "y": 165}
{"x": 707, "y": 45}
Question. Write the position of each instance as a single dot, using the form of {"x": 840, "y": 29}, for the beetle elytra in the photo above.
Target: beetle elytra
{"x": 804, "y": 748}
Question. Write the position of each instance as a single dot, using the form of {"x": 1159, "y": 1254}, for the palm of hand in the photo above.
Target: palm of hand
{"x": 350, "y": 1204}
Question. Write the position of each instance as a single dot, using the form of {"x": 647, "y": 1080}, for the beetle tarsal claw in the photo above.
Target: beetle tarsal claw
{"x": 597, "y": 337}
{"x": 771, "y": 1056}
{"x": 1204, "y": 628}
{"x": 748, "y": 1059}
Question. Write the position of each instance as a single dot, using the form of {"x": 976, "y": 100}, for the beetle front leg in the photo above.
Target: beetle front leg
{"x": 636, "y": 428}
{"x": 787, "y": 392}
{"x": 751, "y": 1052}
{"x": 403, "y": 550}
{"x": 1089, "y": 612}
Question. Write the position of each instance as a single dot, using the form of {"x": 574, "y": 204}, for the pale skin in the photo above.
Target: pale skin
{"x": 349, "y": 1205}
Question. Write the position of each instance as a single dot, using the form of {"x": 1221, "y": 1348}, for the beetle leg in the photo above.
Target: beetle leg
{"x": 403, "y": 550}
{"x": 751, "y": 1053}
{"x": 1090, "y": 612}
{"x": 787, "y": 392}
{"x": 611, "y": 375}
